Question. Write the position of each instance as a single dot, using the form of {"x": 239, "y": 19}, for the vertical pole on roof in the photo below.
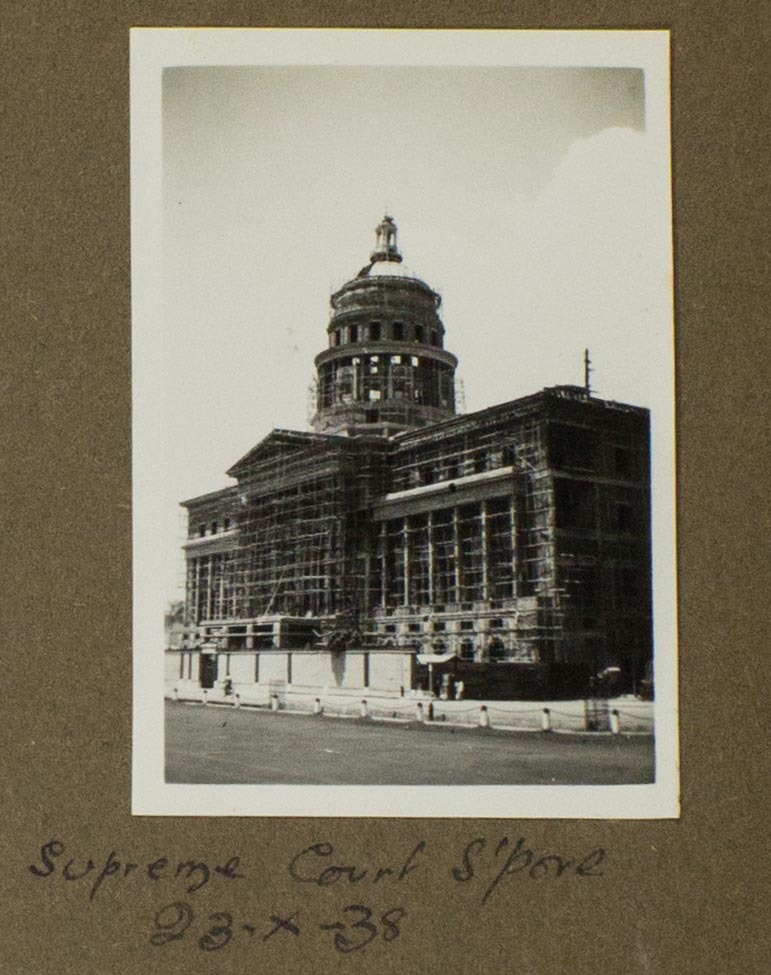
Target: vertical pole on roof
{"x": 587, "y": 371}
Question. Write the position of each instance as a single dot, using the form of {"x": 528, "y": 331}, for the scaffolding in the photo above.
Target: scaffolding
{"x": 519, "y": 533}
{"x": 513, "y": 535}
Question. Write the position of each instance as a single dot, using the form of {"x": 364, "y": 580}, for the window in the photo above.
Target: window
{"x": 575, "y": 504}
{"x": 434, "y": 337}
{"x": 629, "y": 586}
{"x": 398, "y": 331}
{"x": 571, "y": 446}
{"x": 446, "y": 389}
{"x": 420, "y": 334}
{"x": 214, "y": 528}
{"x": 496, "y": 649}
{"x": 226, "y": 524}
{"x": 374, "y": 332}
{"x": 623, "y": 461}
{"x": 353, "y": 334}
{"x": 202, "y": 530}
{"x": 623, "y": 519}
{"x": 344, "y": 384}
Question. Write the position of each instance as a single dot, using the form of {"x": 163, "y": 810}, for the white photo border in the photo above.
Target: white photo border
{"x": 152, "y": 50}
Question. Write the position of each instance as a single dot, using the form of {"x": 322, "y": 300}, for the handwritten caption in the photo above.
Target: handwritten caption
{"x": 354, "y": 928}
{"x": 481, "y": 866}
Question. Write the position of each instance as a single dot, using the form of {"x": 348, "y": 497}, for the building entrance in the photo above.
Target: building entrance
{"x": 208, "y": 670}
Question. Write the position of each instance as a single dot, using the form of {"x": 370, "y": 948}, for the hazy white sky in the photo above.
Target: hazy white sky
{"x": 528, "y": 197}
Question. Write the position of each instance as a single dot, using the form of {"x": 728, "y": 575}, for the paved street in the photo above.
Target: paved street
{"x": 230, "y": 746}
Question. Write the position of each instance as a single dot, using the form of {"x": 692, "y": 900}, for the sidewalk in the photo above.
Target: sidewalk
{"x": 633, "y": 715}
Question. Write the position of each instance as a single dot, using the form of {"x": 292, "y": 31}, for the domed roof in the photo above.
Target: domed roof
{"x": 386, "y": 259}
{"x": 390, "y": 269}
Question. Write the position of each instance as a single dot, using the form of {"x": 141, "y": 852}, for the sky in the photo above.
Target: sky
{"x": 530, "y": 198}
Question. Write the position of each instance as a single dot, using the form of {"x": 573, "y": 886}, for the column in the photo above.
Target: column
{"x": 366, "y": 601}
{"x": 383, "y": 566}
{"x": 196, "y": 588}
{"x": 485, "y": 550}
{"x": 514, "y": 561}
{"x": 456, "y": 544}
{"x": 406, "y": 539}
{"x": 431, "y": 596}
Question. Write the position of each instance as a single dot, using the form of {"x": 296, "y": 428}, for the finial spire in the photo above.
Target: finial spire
{"x": 386, "y": 247}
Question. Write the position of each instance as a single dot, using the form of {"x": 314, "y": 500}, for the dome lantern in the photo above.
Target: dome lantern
{"x": 386, "y": 247}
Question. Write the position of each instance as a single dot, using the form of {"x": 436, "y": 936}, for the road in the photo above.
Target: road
{"x": 216, "y": 745}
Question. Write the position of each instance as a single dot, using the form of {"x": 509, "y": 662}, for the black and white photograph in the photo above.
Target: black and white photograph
{"x": 403, "y": 396}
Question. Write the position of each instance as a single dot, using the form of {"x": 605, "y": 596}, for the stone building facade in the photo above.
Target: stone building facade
{"x": 511, "y": 545}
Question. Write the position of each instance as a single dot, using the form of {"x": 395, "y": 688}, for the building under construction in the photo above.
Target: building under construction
{"x": 509, "y": 547}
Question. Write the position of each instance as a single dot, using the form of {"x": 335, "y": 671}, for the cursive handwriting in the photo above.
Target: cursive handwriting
{"x": 197, "y": 872}
{"x": 355, "y": 927}
{"x": 521, "y": 859}
{"x": 482, "y": 866}
{"x": 312, "y": 866}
